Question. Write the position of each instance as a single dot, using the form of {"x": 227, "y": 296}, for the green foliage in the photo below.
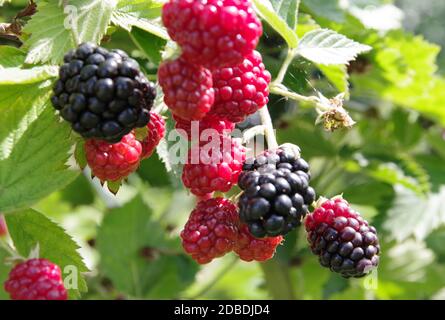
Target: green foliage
{"x": 29, "y": 228}
{"x": 389, "y": 166}
{"x": 138, "y": 257}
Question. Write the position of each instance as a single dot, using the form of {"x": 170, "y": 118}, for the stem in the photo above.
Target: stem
{"x": 291, "y": 53}
{"x": 269, "y": 131}
{"x": 5, "y": 245}
{"x": 277, "y": 89}
{"x": 215, "y": 280}
{"x": 278, "y": 280}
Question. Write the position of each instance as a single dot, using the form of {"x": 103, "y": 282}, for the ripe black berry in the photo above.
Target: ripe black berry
{"x": 276, "y": 193}
{"x": 103, "y": 94}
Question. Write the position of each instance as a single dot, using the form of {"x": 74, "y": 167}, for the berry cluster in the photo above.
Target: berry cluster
{"x": 219, "y": 79}
{"x": 342, "y": 239}
{"x": 276, "y": 192}
{"x": 105, "y": 97}
{"x": 36, "y": 279}
{"x": 102, "y": 93}
{"x": 214, "y": 229}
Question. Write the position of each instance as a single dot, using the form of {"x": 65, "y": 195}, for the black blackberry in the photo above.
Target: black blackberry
{"x": 276, "y": 192}
{"x": 103, "y": 94}
{"x": 342, "y": 239}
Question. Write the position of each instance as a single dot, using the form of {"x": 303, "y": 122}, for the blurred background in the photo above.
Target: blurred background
{"x": 390, "y": 167}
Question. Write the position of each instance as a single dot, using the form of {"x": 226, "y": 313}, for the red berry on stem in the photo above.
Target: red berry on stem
{"x": 156, "y": 131}
{"x": 249, "y": 248}
{"x": 208, "y": 122}
{"x": 213, "y": 33}
{"x": 213, "y": 166}
{"x": 343, "y": 240}
{"x": 242, "y": 90}
{"x": 3, "y": 226}
{"x": 188, "y": 89}
{"x": 211, "y": 230}
{"x": 36, "y": 279}
{"x": 113, "y": 162}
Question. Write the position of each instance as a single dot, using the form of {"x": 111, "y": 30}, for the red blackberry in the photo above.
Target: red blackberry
{"x": 3, "y": 226}
{"x": 188, "y": 89}
{"x": 36, "y": 279}
{"x": 211, "y": 230}
{"x": 156, "y": 131}
{"x": 103, "y": 94}
{"x": 250, "y": 248}
{"x": 213, "y": 33}
{"x": 241, "y": 90}
{"x": 342, "y": 239}
{"x": 214, "y": 166}
{"x": 113, "y": 162}
{"x": 276, "y": 193}
{"x": 208, "y": 122}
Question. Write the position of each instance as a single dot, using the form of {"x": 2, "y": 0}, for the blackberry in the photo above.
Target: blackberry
{"x": 276, "y": 192}
{"x": 342, "y": 239}
{"x": 103, "y": 94}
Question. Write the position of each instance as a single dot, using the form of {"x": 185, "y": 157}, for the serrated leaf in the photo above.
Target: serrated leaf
{"x": 267, "y": 11}
{"x": 34, "y": 146}
{"x": 11, "y": 57}
{"x": 328, "y": 47}
{"x": 54, "y": 29}
{"x": 287, "y": 10}
{"x": 150, "y": 44}
{"x": 79, "y": 154}
{"x": 25, "y": 76}
{"x": 142, "y": 14}
{"x": 49, "y": 39}
{"x": 29, "y": 228}
{"x": 137, "y": 256}
{"x": 337, "y": 75}
{"x": 93, "y": 18}
{"x": 411, "y": 215}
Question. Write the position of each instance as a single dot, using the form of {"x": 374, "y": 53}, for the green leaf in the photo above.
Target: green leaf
{"x": 150, "y": 44}
{"x": 287, "y": 10}
{"x": 324, "y": 9}
{"x": 55, "y": 29}
{"x": 49, "y": 39}
{"x": 93, "y": 18}
{"x": 24, "y": 76}
{"x": 142, "y": 14}
{"x": 137, "y": 256}
{"x": 328, "y": 47}
{"x": 4, "y": 272}
{"x": 267, "y": 12}
{"x": 34, "y": 146}
{"x": 29, "y": 228}
{"x": 11, "y": 57}
{"x": 337, "y": 75}
{"x": 414, "y": 215}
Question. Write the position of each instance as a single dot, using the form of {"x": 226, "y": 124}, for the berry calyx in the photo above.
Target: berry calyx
{"x": 213, "y": 33}
{"x": 188, "y": 89}
{"x": 36, "y": 279}
{"x": 214, "y": 166}
{"x": 113, "y": 162}
{"x": 343, "y": 240}
{"x": 242, "y": 90}
{"x": 250, "y": 248}
{"x": 211, "y": 230}
{"x": 103, "y": 94}
{"x": 155, "y": 132}
{"x": 276, "y": 192}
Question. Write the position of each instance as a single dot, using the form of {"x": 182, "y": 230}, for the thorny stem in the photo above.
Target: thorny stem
{"x": 282, "y": 91}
